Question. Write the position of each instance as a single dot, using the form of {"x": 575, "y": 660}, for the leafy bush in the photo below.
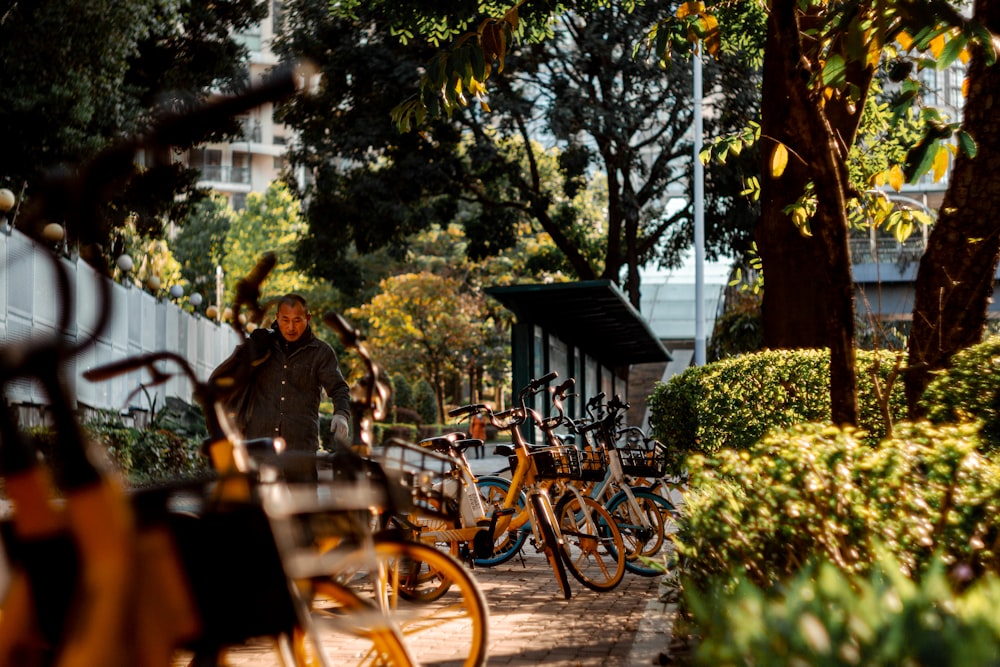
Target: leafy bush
{"x": 814, "y": 490}
{"x": 147, "y": 456}
{"x": 405, "y": 432}
{"x": 425, "y": 402}
{"x": 734, "y": 402}
{"x": 969, "y": 391}
{"x": 825, "y": 618}
{"x": 402, "y": 394}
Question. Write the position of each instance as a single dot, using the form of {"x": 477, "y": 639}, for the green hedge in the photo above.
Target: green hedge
{"x": 816, "y": 491}
{"x": 969, "y": 391}
{"x": 732, "y": 403}
{"x": 824, "y": 618}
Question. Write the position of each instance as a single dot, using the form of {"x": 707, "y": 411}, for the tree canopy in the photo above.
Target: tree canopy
{"x": 580, "y": 99}
{"x": 110, "y": 69}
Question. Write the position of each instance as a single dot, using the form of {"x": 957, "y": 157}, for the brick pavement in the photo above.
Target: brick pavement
{"x": 531, "y": 623}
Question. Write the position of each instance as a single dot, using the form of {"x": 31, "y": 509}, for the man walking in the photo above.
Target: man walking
{"x": 278, "y": 376}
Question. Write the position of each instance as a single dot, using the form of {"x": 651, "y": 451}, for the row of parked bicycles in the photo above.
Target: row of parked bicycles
{"x": 592, "y": 497}
{"x": 380, "y": 553}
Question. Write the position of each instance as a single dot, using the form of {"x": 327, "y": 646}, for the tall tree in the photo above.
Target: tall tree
{"x": 957, "y": 272}
{"x": 107, "y": 70}
{"x": 421, "y": 324}
{"x": 584, "y": 92}
{"x": 200, "y": 244}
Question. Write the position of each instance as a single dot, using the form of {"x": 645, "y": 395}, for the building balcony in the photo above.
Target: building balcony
{"x": 226, "y": 174}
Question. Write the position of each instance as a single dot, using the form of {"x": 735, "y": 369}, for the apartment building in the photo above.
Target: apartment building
{"x": 250, "y": 164}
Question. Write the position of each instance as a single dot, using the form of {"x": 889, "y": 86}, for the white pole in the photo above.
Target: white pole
{"x": 699, "y": 218}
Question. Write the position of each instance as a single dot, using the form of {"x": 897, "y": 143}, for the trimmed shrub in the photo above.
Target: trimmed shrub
{"x": 732, "y": 403}
{"x": 402, "y": 394}
{"x": 825, "y": 618}
{"x": 425, "y": 402}
{"x": 969, "y": 391}
{"x": 814, "y": 491}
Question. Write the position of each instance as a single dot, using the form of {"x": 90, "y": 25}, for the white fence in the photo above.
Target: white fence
{"x": 140, "y": 323}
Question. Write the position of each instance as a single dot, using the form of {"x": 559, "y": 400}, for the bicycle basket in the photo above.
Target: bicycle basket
{"x": 593, "y": 464}
{"x": 643, "y": 459}
{"x": 427, "y": 475}
{"x": 559, "y": 462}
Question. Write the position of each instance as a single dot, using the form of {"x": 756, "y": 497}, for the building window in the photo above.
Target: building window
{"x": 277, "y": 14}
{"x": 208, "y": 161}
{"x": 279, "y": 162}
{"x": 250, "y": 39}
{"x": 239, "y": 201}
{"x": 241, "y": 168}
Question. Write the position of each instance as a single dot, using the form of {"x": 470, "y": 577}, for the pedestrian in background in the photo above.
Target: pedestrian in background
{"x": 278, "y": 375}
{"x": 477, "y": 430}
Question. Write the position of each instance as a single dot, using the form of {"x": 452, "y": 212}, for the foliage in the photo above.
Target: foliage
{"x": 488, "y": 171}
{"x": 968, "y": 391}
{"x": 816, "y": 491}
{"x": 155, "y": 269}
{"x": 402, "y": 393}
{"x": 425, "y": 401}
{"x": 424, "y": 325}
{"x": 110, "y": 70}
{"x": 151, "y": 455}
{"x": 200, "y": 245}
{"x": 739, "y": 329}
{"x": 273, "y": 222}
{"x": 825, "y": 618}
{"x": 732, "y": 403}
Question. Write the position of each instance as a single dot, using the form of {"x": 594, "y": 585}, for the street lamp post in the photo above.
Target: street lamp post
{"x": 7, "y": 201}
{"x": 218, "y": 293}
{"x": 699, "y": 216}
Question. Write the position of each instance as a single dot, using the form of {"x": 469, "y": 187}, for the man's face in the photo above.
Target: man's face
{"x": 292, "y": 321}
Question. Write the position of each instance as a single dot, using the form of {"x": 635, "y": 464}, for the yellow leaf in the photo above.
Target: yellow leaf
{"x": 937, "y": 46}
{"x": 940, "y": 163}
{"x": 878, "y": 180}
{"x": 779, "y": 160}
{"x": 896, "y": 177}
{"x": 690, "y": 8}
{"x": 904, "y": 40}
{"x": 965, "y": 87}
{"x": 964, "y": 55}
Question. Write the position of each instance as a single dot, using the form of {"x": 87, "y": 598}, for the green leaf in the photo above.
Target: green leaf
{"x": 951, "y": 51}
{"x": 967, "y": 144}
{"x": 920, "y": 159}
{"x": 834, "y": 73}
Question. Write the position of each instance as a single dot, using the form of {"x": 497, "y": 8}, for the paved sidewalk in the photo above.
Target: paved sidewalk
{"x": 532, "y": 624}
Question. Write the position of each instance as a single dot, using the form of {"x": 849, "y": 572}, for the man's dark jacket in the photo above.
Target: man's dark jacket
{"x": 278, "y": 393}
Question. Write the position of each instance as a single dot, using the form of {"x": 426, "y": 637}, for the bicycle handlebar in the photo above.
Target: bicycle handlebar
{"x": 467, "y": 410}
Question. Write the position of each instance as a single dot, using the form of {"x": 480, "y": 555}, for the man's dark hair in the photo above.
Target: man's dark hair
{"x": 291, "y": 300}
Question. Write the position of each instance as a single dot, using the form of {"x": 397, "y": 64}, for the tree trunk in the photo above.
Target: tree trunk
{"x": 809, "y": 293}
{"x": 956, "y": 274}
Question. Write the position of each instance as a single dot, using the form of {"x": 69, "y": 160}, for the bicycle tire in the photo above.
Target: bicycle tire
{"x": 509, "y": 544}
{"x": 333, "y": 600}
{"x": 456, "y": 624}
{"x": 543, "y": 517}
{"x": 593, "y": 547}
{"x": 642, "y": 542}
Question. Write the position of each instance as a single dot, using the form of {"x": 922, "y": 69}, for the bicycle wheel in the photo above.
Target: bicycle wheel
{"x": 446, "y": 628}
{"x": 543, "y": 516}
{"x": 362, "y": 630}
{"x": 647, "y": 534}
{"x": 592, "y": 544}
{"x": 507, "y": 545}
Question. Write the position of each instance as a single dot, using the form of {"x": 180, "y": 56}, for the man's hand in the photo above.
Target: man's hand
{"x": 259, "y": 345}
{"x": 340, "y": 429}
